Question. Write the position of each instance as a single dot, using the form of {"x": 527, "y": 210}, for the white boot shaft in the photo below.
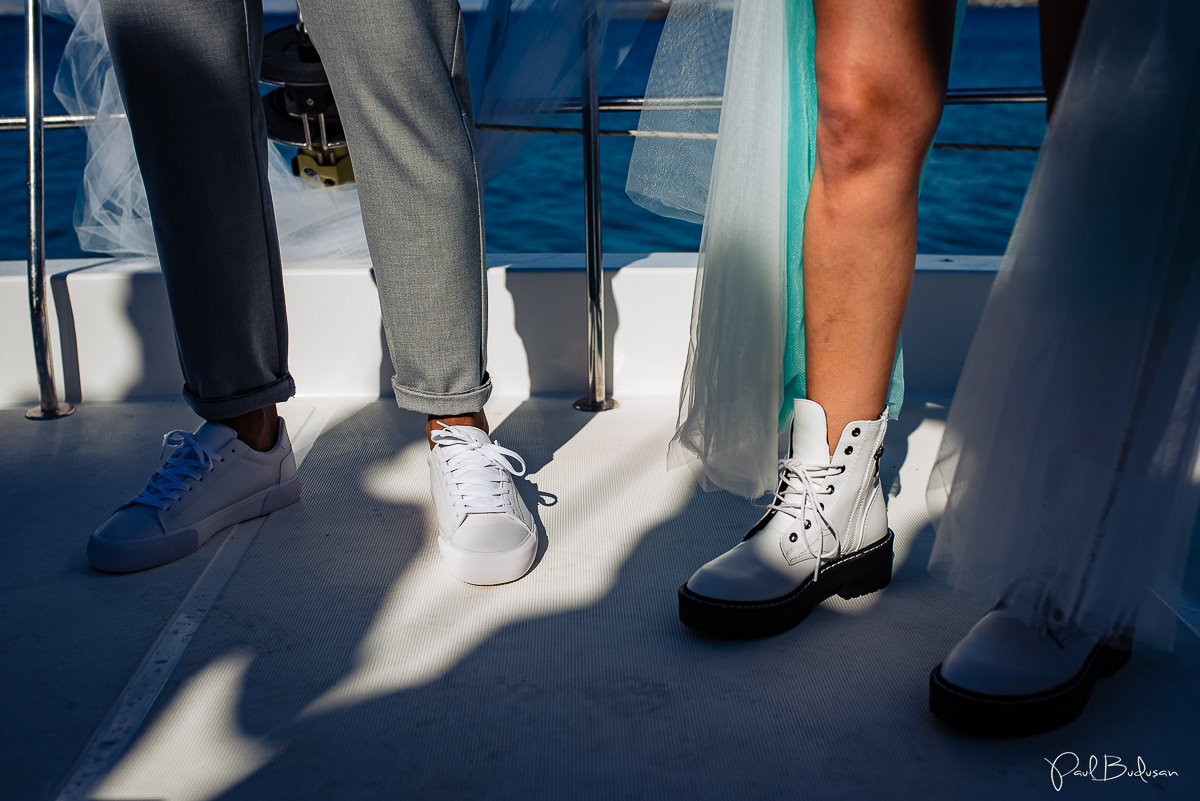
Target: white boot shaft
{"x": 829, "y": 505}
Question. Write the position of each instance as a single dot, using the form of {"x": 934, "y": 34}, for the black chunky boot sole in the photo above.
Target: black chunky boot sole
{"x": 1016, "y": 715}
{"x": 862, "y": 572}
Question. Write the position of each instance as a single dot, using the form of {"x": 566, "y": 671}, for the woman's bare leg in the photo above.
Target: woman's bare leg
{"x": 881, "y": 72}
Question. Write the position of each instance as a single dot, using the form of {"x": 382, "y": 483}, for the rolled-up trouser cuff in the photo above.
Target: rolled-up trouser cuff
{"x": 457, "y": 403}
{"x": 226, "y": 408}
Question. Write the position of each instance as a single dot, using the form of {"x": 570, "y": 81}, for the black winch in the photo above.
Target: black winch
{"x": 302, "y": 113}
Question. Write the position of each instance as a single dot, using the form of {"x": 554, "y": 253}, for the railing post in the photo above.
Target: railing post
{"x": 49, "y": 407}
{"x": 596, "y": 400}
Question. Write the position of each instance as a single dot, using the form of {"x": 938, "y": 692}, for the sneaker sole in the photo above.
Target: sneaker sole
{"x": 128, "y": 556}
{"x": 501, "y": 567}
{"x": 1016, "y": 715}
{"x": 862, "y": 572}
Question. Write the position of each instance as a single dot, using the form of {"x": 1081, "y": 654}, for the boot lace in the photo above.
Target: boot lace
{"x": 476, "y": 473}
{"x": 799, "y": 486}
{"x": 189, "y": 461}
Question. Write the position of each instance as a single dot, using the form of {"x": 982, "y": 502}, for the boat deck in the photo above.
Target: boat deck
{"x": 324, "y": 653}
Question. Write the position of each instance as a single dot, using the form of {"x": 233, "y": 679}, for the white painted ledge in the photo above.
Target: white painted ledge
{"x": 113, "y": 341}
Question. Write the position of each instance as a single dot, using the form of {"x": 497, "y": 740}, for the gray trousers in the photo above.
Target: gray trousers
{"x": 188, "y": 72}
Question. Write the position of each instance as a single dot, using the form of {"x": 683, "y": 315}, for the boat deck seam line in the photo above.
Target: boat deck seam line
{"x": 124, "y": 720}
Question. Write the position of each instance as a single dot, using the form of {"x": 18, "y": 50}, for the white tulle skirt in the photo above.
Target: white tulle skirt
{"x": 732, "y": 388}
{"x": 1068, "y": 472}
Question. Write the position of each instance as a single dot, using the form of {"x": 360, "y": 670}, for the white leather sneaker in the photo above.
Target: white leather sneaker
{"x": 485, "y": 532}
{"x": 825, "y": 533}
{"x": 212, "y": 480}
{"x": 1008, "y": 678}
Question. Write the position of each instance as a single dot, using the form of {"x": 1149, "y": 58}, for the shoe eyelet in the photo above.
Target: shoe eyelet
{"x": 807, "y": 524}
{"x": 856, "y": 432}
{"x": 830, "y": 489}
{"x": 822, "y": 506}
{"x": 792, "y": 536}
{"x": 849, "y": 450}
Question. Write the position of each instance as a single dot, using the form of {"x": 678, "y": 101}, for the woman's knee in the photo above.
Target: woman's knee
{"x": 868, "y": 121}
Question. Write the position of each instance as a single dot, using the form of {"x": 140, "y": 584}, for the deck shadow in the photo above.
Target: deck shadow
{"x": 370, "y": 674}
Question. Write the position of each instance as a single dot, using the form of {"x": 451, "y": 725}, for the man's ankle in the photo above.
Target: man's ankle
{"x": 474, "y": 419}
{"x": 259, "y": 428}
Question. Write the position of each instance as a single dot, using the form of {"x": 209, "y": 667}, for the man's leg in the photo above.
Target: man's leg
{"x": 188, "y": 73}
{"x": 189, "y": 76}
{"x": 398, "y": 71}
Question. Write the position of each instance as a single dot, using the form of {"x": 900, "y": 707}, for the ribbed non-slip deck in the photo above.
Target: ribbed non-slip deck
{"x": 342, "y": 662}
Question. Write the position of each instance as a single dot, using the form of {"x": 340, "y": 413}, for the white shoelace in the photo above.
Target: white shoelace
{"x": 802, "y": 479}
{"x": 189, "y": 460}
{"x": 476, "y": 473}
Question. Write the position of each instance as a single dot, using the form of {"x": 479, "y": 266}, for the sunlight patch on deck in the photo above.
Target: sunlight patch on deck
{"x": 430, "y": 622}
{"x": 195, "y": 750}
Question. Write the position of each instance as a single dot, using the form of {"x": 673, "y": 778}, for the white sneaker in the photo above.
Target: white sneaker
{"x": 485, "y": 532}
{"x": 1008, "y": 678}
{"x": 825, "y": 534}
{"x": 212, "y": 480}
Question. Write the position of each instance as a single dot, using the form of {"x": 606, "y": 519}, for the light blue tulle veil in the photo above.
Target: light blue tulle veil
{"x": 732, "y": 390}
{"x": 745, "y": 362}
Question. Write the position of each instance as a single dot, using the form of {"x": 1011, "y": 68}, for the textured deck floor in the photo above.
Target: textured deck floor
{"x": 323, "y": 653}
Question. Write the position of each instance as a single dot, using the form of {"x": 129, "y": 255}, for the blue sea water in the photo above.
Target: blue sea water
{"x": 969, "y": 203}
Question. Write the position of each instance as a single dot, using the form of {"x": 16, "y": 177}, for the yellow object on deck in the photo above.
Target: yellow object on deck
{"x": 329, "y": 168}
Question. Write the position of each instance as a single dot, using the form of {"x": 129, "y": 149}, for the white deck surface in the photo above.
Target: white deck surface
{"x": 324, "y": 653}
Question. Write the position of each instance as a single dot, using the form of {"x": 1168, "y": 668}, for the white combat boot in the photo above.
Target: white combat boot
{"x": 826, "y": 533}
{"x": 1013, "y": 676}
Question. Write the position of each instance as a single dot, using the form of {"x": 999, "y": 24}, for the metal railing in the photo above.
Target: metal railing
{"x": 597, "y": 399}
{"x": 954, "y": 97}
{"x": 590, "y": 106}
{"x": 49, "y": 407}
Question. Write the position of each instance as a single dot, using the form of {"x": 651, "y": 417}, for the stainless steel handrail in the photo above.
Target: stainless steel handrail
{"x": 609, "y": 104}
{"x": 971, "y": 97}
{"x": 49, "y": 407}
{"x": 954, "y": 97}
{"x": 596, "y": 399}
{"x": 53, "y": 121}
{"x": 550, "y": 129}
{"x": 628, "y": 104}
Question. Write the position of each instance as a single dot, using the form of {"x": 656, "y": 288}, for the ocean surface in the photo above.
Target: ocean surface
{"x": 968, "y": 206}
